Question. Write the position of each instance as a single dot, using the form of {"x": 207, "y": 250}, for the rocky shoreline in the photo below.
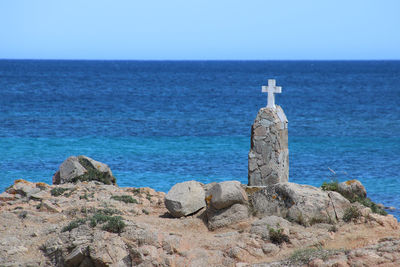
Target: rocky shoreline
{"x": 84, "y": 219}
{"x": 73, "y": 225}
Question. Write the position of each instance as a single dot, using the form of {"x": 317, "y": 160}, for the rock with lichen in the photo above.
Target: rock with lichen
{"x": 304, "y": 204}
{"x": 82, "y": 168}
{"x": 352, "y": 189}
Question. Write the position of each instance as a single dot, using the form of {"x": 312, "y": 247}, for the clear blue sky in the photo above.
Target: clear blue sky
{"x": 200, "y": 29}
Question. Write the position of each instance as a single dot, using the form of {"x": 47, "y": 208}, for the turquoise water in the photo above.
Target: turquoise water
{"x": 171, "y": 158}
{"x": 159, "y": 123}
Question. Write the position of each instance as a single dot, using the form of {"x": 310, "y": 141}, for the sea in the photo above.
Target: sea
{"x": 158, "y": 123}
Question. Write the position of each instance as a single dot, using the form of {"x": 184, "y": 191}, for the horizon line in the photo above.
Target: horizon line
{"x": 80, "y": 59}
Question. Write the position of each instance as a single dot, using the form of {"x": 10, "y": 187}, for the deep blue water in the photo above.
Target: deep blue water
{"x": 157, "y": 123}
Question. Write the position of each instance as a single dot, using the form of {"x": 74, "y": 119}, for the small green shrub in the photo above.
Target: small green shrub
{"x": 68, "y": 194}
{"x": 58, "y": 191}
{"x": 125, "y": 198}
{"x": 330, "y": 186}
{"x": 136, "y": 191}
{"x": 109, "y": 211}
{"x": 277, "y": 236}
{"x": 93, "y": 174}
{"x": 73, "y": 224}
{"x": 114, "y": 225}
{"x": 304, "y": 256}
{"x": 315, "y": 220}
{"x": 333, "y": 229}
{"x": 367, "y": 202}
{"x": 351, "y": 213}
{"x": 98, "y": 218}
{"x": 88, "y": 210}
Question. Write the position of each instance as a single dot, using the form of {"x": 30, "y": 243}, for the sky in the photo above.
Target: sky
{"x": 200, "y": 29}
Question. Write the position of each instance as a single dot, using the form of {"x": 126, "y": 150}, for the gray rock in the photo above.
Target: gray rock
{"x": 225, "y": 194}
{"x": 68, "y": 170}
{"x": 142, "y": 236}
{"x": 108, "y": 250}
{"x": 300, "y": 203}
{"x": 227, "y": 216}
{"x": 82, "y": 168}
{"x": 269, "y": 248}
{"x": 6, "y": 196}
{"x": 40, "y": 195}
{"x": 352, "y": 189}
{"x": 17, "y": 249}
{"x": 268, "y": 159}
{"x": 48, "y": 206}
{"x": 185, "y": 198}
{"x": 272, "y": 221}
{"x": 208, "y": 186}
{"x": 261, "y": 227}
{"x": 23, "y": 188}
{"x": 75, "y": 257}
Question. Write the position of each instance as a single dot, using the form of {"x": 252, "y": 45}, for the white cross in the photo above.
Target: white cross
{"x": 271, "y": 89}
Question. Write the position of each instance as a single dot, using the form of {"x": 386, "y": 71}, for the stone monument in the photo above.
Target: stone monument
{"x": 269, "y": 153}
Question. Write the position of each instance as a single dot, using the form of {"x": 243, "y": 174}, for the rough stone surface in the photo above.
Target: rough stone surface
{"x": 352, "y": 189}
{"x": 386, "y": 252}
{"x": 108, "y": 249}
{"x": 75, "y": 258}
{"x": 301, "y": 203}
{"x": 261, "y": 227}
{"x": 185, "y": 198}
{"x": 33, "y": 236}
{"x": 225, "y": 194}
{"x": 83, "y": 168}
{"x": 68, "y": 170}
{"x": 6, "y": 196}
{"x": 23, "y": 188}
{"x": 228, "y": 216}
{"x": 268, "y": 159}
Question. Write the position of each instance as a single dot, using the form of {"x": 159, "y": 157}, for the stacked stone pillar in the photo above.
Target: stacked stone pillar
{"x": 269, "y": 153}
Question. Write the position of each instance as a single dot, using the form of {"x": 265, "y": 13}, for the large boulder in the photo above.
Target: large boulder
{"x": 269, "y": 154}
{"x": 227, "y": 203}
{"x": 304, "y": 204}
{"x": 82, "y": 168}
{"x": 227, "y": 216}
{"x": 185, "y": 198}
{"x": 352, "y": 189}
{"x": 225, "y": 194}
